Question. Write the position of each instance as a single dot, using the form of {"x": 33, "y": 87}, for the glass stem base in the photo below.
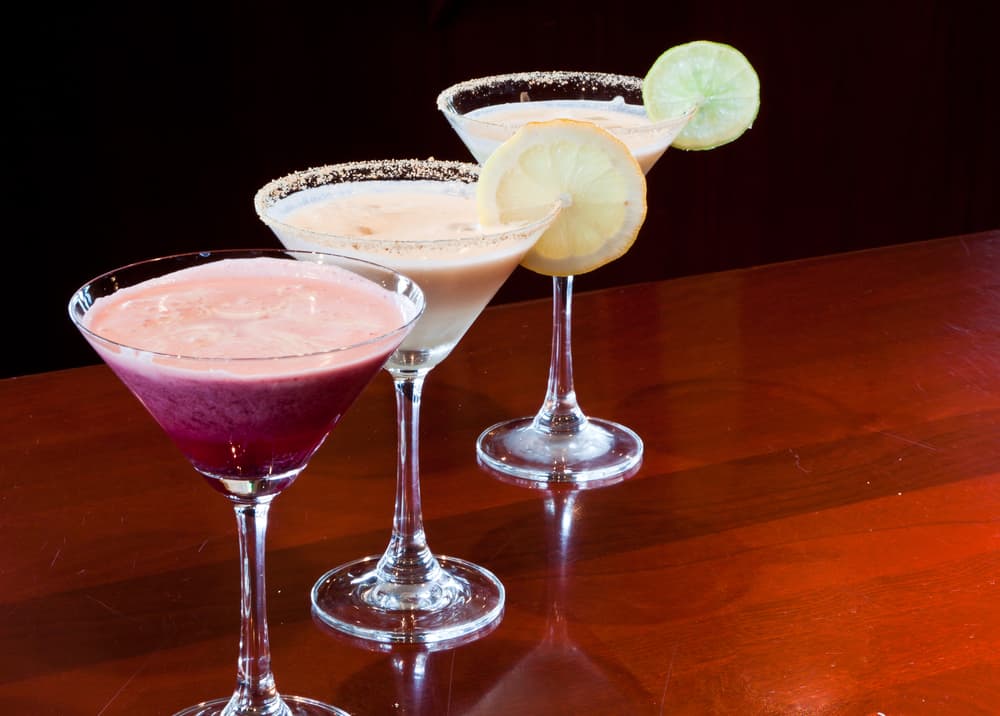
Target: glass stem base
{"x": 460, "y": 599}
{"x": 287, "y": 706}
{"x": 560, "y": 444}
{"x": 408, "y": 594}
{"x": 597, "y": 451}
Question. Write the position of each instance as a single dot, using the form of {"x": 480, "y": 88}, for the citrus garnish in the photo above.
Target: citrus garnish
{"x": 585, "y": 168}
{"x": 714, "y": 77}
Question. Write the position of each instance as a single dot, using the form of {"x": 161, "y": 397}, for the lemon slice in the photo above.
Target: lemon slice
{"x": 716, "y": 78}
{"x": 585, "y": 168}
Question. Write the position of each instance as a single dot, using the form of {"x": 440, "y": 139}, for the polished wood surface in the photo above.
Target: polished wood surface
{"x": 815, "y": 528}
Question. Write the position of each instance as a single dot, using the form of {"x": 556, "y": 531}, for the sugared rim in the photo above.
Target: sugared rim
{"x": 387, "y": 170}
{"x": 551, "y": 78}
{"x": 76, "y": 299}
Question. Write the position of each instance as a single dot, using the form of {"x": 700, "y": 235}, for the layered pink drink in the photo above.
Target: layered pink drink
{"x": 248, "y": 363}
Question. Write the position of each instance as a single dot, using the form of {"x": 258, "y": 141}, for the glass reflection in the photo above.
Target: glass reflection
{"x": 564, "y": 672}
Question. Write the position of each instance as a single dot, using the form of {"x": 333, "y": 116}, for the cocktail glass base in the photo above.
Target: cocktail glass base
{"x": 293, "y": 706}
{"x": 599, "y": 450}
{"x": 462, "y": 599}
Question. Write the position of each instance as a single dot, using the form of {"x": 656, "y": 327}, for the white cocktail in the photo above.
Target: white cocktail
{"x": 485, "y": 128}
{"x": 426, "y": 229}
{"x": 418, "y": 217}
{"x": 560, "y": 443}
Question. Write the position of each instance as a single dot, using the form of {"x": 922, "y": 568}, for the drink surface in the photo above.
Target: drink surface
{"x": 613, "y": 113}
{"x": 628, "y": 122}
{"x": 247, "y": 308}
{"x": 253, "y": 360}
{"x": 425, "y": 211}
{"x": 427, "y": 230}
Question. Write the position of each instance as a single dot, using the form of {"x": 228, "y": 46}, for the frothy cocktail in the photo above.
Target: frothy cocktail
{"x": 628, "y": 122}
{"x": 248, "y": 363}
{"x": 487, "y": 111}
{"x": 426, "y": 229}
{"x": 420, "y": 218}
{"x": 247, "y": 359}
{"x": 699, "y": 95}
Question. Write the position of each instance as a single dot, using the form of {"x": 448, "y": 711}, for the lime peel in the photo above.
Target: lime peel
{"x": 712, "y": 76}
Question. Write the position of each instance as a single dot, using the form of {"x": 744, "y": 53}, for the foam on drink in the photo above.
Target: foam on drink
{"x": 247, "y": 308}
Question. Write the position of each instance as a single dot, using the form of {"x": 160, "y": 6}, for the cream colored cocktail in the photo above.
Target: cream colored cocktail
{"x": 419, "y": 217}
{"x": 426, "y": 230}
{"x": 696, "y": 96}
{"x": 560, "y": 443}
{"x": 488, "y": 126}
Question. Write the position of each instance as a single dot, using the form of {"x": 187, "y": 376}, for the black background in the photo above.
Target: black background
{"x": 145, "y": 128}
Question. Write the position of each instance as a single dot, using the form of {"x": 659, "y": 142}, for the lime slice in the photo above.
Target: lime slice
{"x": 714, "y": 77}
{"x": 585, "y": 168}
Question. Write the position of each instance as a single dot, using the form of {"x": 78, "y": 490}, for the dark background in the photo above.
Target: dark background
{"x": 145, "y": 128}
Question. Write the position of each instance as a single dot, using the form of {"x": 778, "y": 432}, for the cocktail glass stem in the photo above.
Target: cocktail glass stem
{"x": 408, "y": 560}
{"x": 255, "y": 690}
{"x": 560, "y": 444}
{"x": 409, "y": 594}
{"x": 561, "y": 413}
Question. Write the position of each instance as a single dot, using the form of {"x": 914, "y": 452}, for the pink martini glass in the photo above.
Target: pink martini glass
{"x": 250, "y": 425}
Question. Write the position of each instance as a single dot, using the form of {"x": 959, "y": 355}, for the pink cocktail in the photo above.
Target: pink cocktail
{"x": 247, "y": 360}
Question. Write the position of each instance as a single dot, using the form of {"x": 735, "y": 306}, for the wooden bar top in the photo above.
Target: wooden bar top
{"x": 815, "y": 528}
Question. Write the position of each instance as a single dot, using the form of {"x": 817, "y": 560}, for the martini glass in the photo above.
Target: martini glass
{"x": 246, "y": 389}
{"x": 419, "y": 217}
{"x": 560, "y": 443}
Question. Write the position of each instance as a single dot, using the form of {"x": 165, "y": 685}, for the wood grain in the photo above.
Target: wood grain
{"x": 815, "y": 528}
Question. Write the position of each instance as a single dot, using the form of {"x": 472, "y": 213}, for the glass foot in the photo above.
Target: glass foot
{"x": 600, "y": 451}
{"x": 294, "y": 706}
{"x": 464, "y": 599}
